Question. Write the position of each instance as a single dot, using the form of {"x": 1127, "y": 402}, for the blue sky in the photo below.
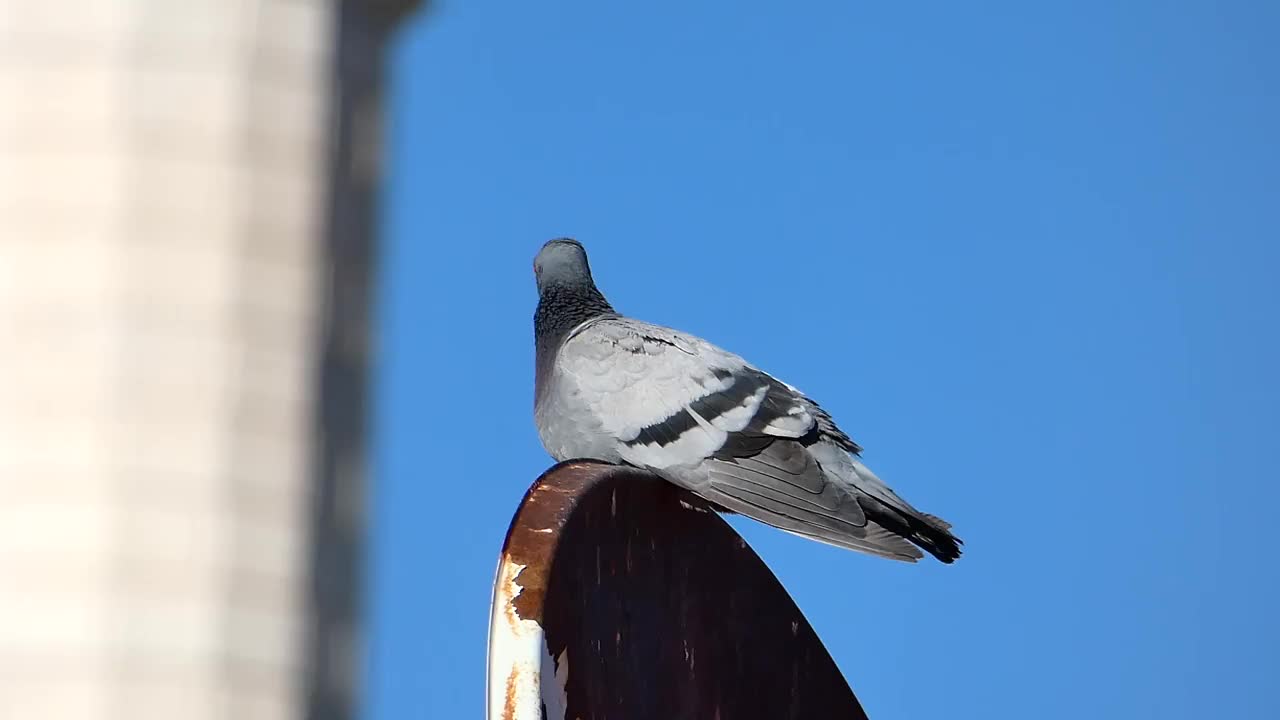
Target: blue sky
{"x": 1026, "y": 253}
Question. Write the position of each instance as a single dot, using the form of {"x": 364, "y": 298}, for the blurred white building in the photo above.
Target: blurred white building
{"x": 186, "y": 194}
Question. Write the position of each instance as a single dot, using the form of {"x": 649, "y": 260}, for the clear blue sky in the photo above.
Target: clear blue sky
{"x": 1026, "y": 253}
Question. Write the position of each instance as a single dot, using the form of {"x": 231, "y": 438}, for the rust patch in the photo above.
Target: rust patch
{"x": 503, "y": 595}
{"x": 513, "y": 683}
{"x": 535, "y": 530}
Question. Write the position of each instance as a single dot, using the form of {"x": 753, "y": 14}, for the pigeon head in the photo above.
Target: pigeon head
{"x": 562, "y": 262}
{"x": 567, "y": 296}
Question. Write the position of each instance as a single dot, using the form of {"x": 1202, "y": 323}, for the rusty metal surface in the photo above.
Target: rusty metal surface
{"x": 617, "y": 598}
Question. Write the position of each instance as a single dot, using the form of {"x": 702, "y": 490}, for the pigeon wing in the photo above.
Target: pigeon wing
{"x": 673, "y": 401}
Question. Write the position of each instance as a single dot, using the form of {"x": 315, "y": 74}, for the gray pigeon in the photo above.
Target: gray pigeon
{"x": 623, "y": 391}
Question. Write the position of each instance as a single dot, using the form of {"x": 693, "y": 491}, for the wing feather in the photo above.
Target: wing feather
{"x": 672, "y": 399}
{"x": 760, "y": 490}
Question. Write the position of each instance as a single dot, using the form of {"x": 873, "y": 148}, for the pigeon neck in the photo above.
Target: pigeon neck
{"x": 561, "y": 308}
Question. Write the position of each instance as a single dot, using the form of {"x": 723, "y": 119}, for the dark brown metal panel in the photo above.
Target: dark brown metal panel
{"x": 652, "y": 607}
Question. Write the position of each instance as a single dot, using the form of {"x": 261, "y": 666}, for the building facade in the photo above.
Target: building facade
{"x": 186, "y": 205}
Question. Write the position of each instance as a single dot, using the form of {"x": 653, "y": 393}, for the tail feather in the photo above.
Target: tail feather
{"x": 937, "y": 521}
{"x": 882, "y": 505}
{"x": 928, "y": 532}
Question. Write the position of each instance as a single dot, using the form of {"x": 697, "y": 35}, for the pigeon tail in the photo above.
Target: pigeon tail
{"x": 929, "y": 533}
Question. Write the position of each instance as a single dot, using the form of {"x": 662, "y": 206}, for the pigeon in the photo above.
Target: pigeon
{"x": 611, "y": 388}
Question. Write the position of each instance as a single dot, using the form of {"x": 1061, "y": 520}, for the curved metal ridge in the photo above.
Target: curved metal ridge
{"x": 516, "y": 642}
{"x": 620, "y": 596}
